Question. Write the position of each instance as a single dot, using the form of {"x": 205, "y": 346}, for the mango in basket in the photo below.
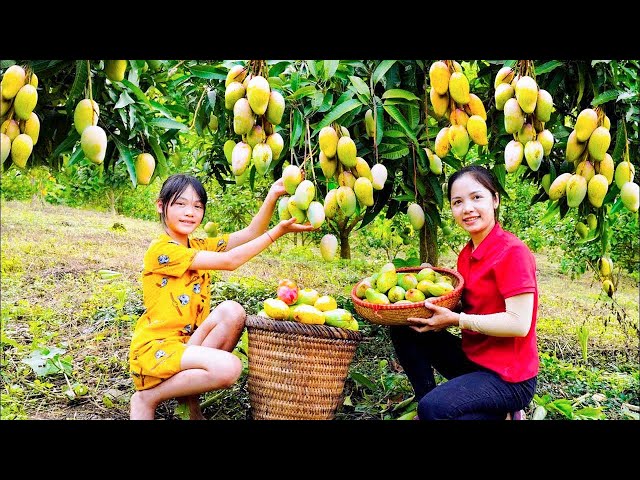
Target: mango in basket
{"x": 440, "y": 288}
{"x": 373, "y": 296}
{"x": 308, "y": 314}
{"x": 407, "y": 281}
{"x": 427, "y": 274}
{"x": 338, "y": 317}
{"x": 362, "y": 287}
{"x": 276, "y": 309}
{"x": 307, "y": 296}
{"x": 326, "y": 303}
{"x": 414, "y": 295}
{"x": 386, "y": 280}
{"x": 395, "y": 294}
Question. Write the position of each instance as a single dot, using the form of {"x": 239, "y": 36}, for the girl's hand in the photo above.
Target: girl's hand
{"x": 277, "y": 188}
{"x": 442, "y": 318}
{"x": 289, "y": 226}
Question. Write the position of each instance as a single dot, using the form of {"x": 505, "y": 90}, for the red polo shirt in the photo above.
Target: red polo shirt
{"x": 500, "y": 267}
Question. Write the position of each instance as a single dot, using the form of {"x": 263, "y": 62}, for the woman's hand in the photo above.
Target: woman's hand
{"x": 442, "y": 318}
{"x": 277, "y": 189}
{"x": 290, "y": 226}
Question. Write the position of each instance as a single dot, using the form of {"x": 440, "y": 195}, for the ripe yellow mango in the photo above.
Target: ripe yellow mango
{"x": 575, "y": 148}
{"x": 586, "y": 169}
{"x": 363, "y": 191}
{"x": 435, "y": 163}
{"x": 291, "y": 178}
{"x": 258, "y": 94}
{"x": 606, "y": 167}
{"x": 21, "y": 148}
{"x": 232, "y": 93}
{"x": 25, "y": 101}
{"x": 86, "y": 113}
{"x": 378, "y": 176}
{"x": 237, "y": 73}
{"x": 533, "y": 154}
{"x": 558, "y": 187}
{"x": 476, "y": 107}
{"x": 304, "y": 194}
{"x": 576, "y": 190}
{"x": 308, "y": 314}
{"x": 362, "y": 168}
{"x": 513, "y": 116}
{"x": 545, "y": 137}
{"x": 315, "y": 214}
{"x": 347, "y": 200}
{"x": 598, "y": 143}
{"x": 328, "y": 141}
{"x": 276, "y": 142}
{"x": 10, "y": 128}
{"x": 586, "y": 123}
{"x": 275, "y": 108}
{"x": 630, "y": 196}
{"x": 439, "y": 76}
{"x": 416, "y": 216}
{"x": 328, "y": 165}
{"x": 527, "y": 93}
{"x": 346, "y": 151}
{"x": 503, "y": 92}
{"x": 544, "y": 106}
{"x": 329, "y": 247}
{"x": 295, "y": 211}
{"x": 115, "y": 69}
{"x": 477, "y": 129}
{"x": 240, "y": 158}
{"x": 458, "y": 117}
{"x": 459, "y": 88}
{"x": 12, "y": 81}
{"x": 255, "y": 136}
{"x": 441, "y": 144}
{"x": 513, "y": 155}
{"x": 504, "y": 76}
{"x": 459, "y": 140}
{"x": 440, "y": 103}
{"x": 145, "y": 166}
{"x": 93, "y": 142}
{"x": 243, "y": 117}
{"x": 625, "y": 171}
{"x": 261, "y": 157}
{"x": 331, "y": 203}
{"x": 32, "y": 127}
{"x": 369, "y": 124}
{"x": 597, "y": 189}
{"x": 283, "y": 208}
{"x": 5, "y": 147}
{"x": 526, "y": 133}
{"x": 276, "y": 309}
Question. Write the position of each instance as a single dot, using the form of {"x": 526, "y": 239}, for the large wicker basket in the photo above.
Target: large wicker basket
{"x": 397, "y": 314}
{"x": 297, "y": 371}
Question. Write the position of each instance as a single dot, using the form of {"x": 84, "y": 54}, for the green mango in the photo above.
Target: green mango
{"x": 378, "y": 298}
{"x": 338, "y": 317}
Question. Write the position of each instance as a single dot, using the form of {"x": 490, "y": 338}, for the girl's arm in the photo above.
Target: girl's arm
{"x": 232, "y": 258}
{"x": 260, "y": 221}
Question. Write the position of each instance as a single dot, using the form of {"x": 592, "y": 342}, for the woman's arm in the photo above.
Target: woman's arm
{"x": 260, "y": 221}
{"x": 515, "y": 321}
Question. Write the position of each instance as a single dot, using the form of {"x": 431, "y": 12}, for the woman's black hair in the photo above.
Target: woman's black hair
{"x": 483, "y": 176}
{"x": 173, "y": 187}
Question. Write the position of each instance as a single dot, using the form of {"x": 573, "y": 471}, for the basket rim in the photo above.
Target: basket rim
{"x": 310, "y": 330}
{"x": 406, "y": 306}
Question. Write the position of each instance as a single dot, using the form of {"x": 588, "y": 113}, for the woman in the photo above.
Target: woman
{"x": 492, "y": 368}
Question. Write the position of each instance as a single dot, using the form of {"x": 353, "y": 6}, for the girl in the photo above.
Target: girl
{"x": 179, "y": 348}
{"x": 492, "y": 369}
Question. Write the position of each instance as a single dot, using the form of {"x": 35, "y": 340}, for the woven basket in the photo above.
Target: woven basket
{"x": 397, "y": 314}
{"x": 297, "y": 371}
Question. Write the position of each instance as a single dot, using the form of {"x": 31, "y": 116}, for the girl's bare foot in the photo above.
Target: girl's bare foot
{"x": 140, "y": 410}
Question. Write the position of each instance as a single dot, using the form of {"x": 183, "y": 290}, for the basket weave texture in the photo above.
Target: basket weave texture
{"x": 297, "y": 371}
{"x": 397, "y": 314}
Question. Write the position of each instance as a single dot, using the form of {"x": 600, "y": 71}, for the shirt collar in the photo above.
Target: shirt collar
{"x": 486, "y": 243}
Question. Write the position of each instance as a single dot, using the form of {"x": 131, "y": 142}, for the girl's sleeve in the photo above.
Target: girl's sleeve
{"x": 169, "y": 258}
{"x": 515, "y": 272}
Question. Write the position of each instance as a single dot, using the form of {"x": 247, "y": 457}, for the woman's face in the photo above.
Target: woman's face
{"x": 473, "y": 207}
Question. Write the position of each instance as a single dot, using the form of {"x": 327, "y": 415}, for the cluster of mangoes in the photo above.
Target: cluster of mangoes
{"x": 338, "y": 159}
{"x": 300, "y": 202}
{"x": 20, "y": 125}
{"x": 93, "y": 138}
{"x": 526, "y": 110}
{"x": 594, "y": 169}
{"x": 257, "y": 109}
{"x": 451, "y": 98}
{"x": 387, "y": 286}
{"x": 306, "y": 305}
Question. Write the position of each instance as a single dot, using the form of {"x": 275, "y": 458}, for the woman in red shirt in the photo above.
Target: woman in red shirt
{"x": 492, "y": 368}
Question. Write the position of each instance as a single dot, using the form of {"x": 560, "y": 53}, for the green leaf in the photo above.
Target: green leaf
{"x": 296, "y": 128}
{"x": 393, "y": 152}
{"x": 208, "y": 72}
{"x": 127, "y": 158}
{"x": 169, "y": 124}
{"x": 336, "y": 112}
{"x": 306, "y": 91}
{"x": 79, "y": 84}
{"x": 605, "y": 97}
{"x": 161, "y": 160}
{"x": 361, "y": 86}
{"x": 330, "y": 67}
{"x": 621, "y": 142}
{"x": 437, "y": 190}
{"x": 552, "y": 209}
{"x": 362, "y": 380}
{"x": 76, "y": 156}
{"x": 581, "y": 74}
{"x": 548, "y": 66}
{"x": 140, "y": 95}
{"x": 124, "y": 100}
{"x": 67, "y": 144}
{"x": 399, "y": 93}
{"x": 381, "y": 69}
{"x": 399, "y": 118}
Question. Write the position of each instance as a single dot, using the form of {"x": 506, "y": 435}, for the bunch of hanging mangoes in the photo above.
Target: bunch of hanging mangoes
{"x": 451, "y": 97}
{"x": 387, "y": 286}
{"x": 526, "y": 109}
{"x": 306, "y": 305}
{"x": 20, "y": 125}
{"x": 257, "y": 109}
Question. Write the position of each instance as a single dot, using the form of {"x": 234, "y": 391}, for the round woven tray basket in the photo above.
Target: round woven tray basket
{"x": 297, "y": 371}
{"x": 397, "y": 314}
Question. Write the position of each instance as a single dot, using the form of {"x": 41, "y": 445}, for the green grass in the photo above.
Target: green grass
{"x": 57, "y": 310}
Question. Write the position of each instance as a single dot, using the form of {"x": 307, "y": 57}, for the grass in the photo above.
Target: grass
{"x": 60, "y": 317}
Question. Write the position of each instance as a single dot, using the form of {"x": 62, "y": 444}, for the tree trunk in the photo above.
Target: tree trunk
{"x": 345, "y": 249}
{"x": 428, "y": 246}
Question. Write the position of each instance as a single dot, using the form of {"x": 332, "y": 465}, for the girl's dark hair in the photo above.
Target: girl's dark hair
{"x": 173, "y": 187}
{"x": 482, "y": 175}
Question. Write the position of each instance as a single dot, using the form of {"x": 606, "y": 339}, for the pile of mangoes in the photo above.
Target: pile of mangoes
{"x": 387, "y": 286}
{"x": 306, "y": 305}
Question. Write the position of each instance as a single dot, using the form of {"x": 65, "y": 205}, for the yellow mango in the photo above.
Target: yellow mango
{"x": 513, "y": 155}
{"x": 12, "y": 81}
{"x": 291, "y": 178}
{"x": 346, "y": 151}
{"x": 240, "y": 158}
{"x": 586, "y": 169}
{"x": 93, "y": 142}
{"x": 586, "y": 123}
{"x": 328, "y": 248}
{"x": 477, "y": 129}
{"x": 32, "y": 127}
{"x": 527, "y": 93}
{"x": 476, "y": 107}
{"x": 25, "y": 101}
{"x": 276, "y": 142}
{"x": 441, "y": 144}
{"x": 364, "y": 191}
{"x": 440, "y": 103}
{"x": 576, "y": 190}
{"x": 258, "y": 94}
{"x": 533, "y": 154}
{"x": 504, "y": 76}
{"x": 597, "y": 189}
{"x": 545, "y": 137}
{"x": 232, "y": 93}
{"x": 331, "y": 204}
{"x": 459, "y": 140}
{"x": 606, "y": 167}
{"x": 513, "y": 116}
{"x": 346, "y": 199}
{"x": 5, "y": 147}
{"x": 575, "y": 148}
{"x": 328, "y": 141}
{"x": 275, "y": 108}
{"x": 544, "y": 106}
{"x": 459, "y": 88}
{"x": 439, "y": 76}
{"x": 598, "y": 143}
{"x": 629, "y": 194}
{"x": 378, "y": 176}
{"x": 416, "y": 216}
{"x": 558, "y": 187}
{"x": 625, "y": 171}
{"x": 86, "y": 113}
{"x": 145, "y": 166}
{"x": 115, "y": 69}
{"x": 315, "y": 214}
{"x": 21, "y": 148}
{"x": 236, "y": 73}
{"x": 243, "y": 117}
{"x": 261, "y": 157}
{"x": 503, "y": 92}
